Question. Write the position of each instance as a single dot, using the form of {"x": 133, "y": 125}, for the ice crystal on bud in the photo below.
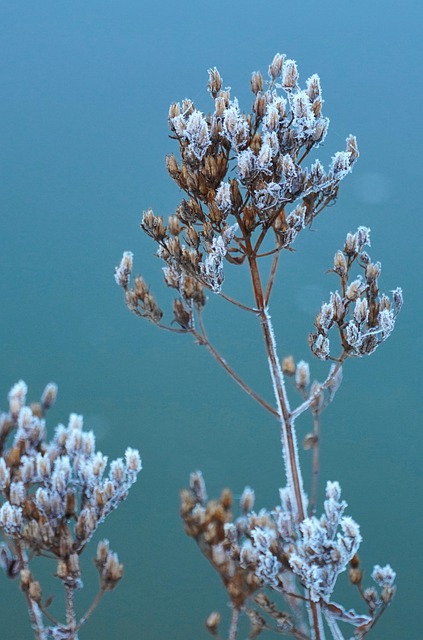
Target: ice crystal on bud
{"x": 341, "y": 164}
{"x": 275, "y": 68}
{"x": 235, "y": 127}
{"x": 289, "y": 74}
{"x": 320, "y": 346}
{"x": 246, "y": 164}
{"x": 223, "y": 198}
{"x": 302, "y": 374}
{"x": 124, "y": 270}
{"x": 211, "y": 269}
{"x": 383, "y": 576}
{"x": 247, "y": 500}
{"x": 197, "y": 134}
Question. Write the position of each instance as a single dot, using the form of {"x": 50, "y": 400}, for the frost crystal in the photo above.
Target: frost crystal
{"x": 197, "y": 133}
{"x": 223, "y": 198}
{"x": 211, "y": 269}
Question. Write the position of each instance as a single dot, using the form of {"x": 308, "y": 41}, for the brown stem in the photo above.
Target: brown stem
{"x": 315, "y": 474}
{"x": 271, "y": 280}
{"x": 203, "y": 340}
{"x": 284, "y": 414}
{"x": 288, "y": 435}
{"x": 90, "y": 610}
{"x": 236, "y": 302}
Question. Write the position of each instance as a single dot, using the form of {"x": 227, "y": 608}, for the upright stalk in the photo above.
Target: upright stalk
{"x": 287, "y": 428}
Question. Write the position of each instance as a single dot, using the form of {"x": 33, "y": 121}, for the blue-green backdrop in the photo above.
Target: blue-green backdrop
{"x": 85, "y": 89}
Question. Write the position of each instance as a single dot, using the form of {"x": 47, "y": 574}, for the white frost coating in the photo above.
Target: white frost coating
{"x": 333, "y": 626}
{"x": 279, "y": 383}
{"x": 211, "y": 269}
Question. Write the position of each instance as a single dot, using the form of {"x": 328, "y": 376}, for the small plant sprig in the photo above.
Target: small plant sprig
{"x": 248, "y": 195}
{"x": 53, "y": 496}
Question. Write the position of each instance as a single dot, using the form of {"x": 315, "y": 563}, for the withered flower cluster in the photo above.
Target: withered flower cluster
{"x": 220, "y": 214}
{"x": 363, "y": 316}
{"x": 53, "y": 496}
{"x": 247, "y": 195}
{"x": 268, "y": 550}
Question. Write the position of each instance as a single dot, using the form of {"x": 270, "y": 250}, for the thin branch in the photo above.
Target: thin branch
{"x": 70, "y": 611}
{"x": 307, "y": 403}
{"x": 237, "y": 303}
{"x": 90, "y": 610}
{"x": 35, "y": 612}
{"x": 233, "y": 629}
{"x": 203, "y": 340}
{"x": 315, "y": 473}
{"x": 271, "y": 280}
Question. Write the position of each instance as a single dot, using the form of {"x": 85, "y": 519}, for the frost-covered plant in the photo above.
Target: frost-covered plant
{"x": 53, "y": 496}
{"x": 248, "y": 194}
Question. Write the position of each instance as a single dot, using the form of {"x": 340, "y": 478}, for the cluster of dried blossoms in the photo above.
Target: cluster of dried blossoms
{"x": 247, "y": 197}
{"x": 270, "y": 549}
{"x": 53, "y": 496}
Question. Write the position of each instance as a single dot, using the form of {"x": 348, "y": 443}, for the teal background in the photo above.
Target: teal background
{"x": 85, "y": 89}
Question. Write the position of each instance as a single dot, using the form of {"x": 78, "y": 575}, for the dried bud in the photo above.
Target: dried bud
{"x": 226, "y": 499}
{"x": 215, "y": 82}
{"x": 288, "y": 366}
{"x": 26, "y": 579}
{"x": 256, "y": 82}
{"x": 260, "y": 105}
{"x": 153, "y": 225}
{"x": 212, "y": 623}
{"x": 355, "y": 575}
{"x": 289, "y": 75}
{"x": 373, "y": 271}
{"x": 112, "y": 572}
{"x": 35, "y": 592}
{"x": 247, "y": 500}
{"x": 302, "y": 375}
{"x": 310, "y": 441}
{"x": 351, "y": 245}
{"x": 174, "y": 110}
{"x": 340, "y": 264}
{"x": 49, "y": 395}
{"x": 352, "y": 147}
{"x": 275, "y": 68}
{"x": 173, "y": 225}
{"x": 181, "y": 315}
{"x": 355, "y": 289}
{"x": 198, "y": 486}
{"x": 172, "y": 166}
{"x": 313, "y": 87}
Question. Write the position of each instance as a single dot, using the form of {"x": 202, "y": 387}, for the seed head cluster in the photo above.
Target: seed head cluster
{"x": 243, "y": 178}
{"x": 54, "y": 494}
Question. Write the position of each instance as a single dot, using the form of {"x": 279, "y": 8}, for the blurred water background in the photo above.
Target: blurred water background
{"x": 83, "y": 115}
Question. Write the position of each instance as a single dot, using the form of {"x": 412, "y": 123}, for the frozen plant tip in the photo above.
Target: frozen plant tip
{"x": 54, "y": 494}
{"x": 249, "y": 193}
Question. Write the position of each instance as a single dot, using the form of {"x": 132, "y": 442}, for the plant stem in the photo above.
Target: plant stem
{"x": 287, "y": 427}
{"x": 90, "y": 610}
{"x": 315, "y": 476}
{"x": 203, "y": 340}
{"x": 70, "y": 612}
{"x": 233, "y": 629}
{"x": 35, "y": 613}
